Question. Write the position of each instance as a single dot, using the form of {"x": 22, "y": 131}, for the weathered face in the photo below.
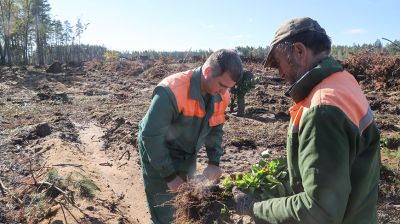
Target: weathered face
{"x": 219, "y": 84}
{"x": 288, "y": 65}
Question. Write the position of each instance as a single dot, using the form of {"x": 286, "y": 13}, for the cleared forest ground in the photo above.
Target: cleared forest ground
{"x": 68, "y": 140}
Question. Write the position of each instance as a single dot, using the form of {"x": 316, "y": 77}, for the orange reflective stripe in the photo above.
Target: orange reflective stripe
{"x": 219, "y": 110}
{"x": 179, "y": 83}
{"x": 192, "y": 108}
{"x": 296, "y": 112}
{"x": 341, "y": 90}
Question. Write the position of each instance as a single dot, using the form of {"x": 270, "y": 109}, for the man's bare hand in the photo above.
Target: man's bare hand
{"x": 212, "y": 172}
{"x": 244, "y": 202}
{"x": 175, "y": 184}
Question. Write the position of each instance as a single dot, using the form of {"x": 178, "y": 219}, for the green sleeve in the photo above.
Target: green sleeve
{"x": 213, "y": 144}
{"x": 154, "y": 128}
{"x": 324, "y": 147}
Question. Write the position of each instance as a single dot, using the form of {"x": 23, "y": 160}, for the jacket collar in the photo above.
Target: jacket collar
{"x": 195, "y": 88}
{"x": 299, "y": 90}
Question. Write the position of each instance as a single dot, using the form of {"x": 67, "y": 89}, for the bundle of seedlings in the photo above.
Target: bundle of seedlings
{"x": 203, "y": 202}
{"x": 269, "y": 178}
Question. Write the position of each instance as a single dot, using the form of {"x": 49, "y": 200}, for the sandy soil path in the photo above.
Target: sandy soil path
{"x": 119, "y": 180}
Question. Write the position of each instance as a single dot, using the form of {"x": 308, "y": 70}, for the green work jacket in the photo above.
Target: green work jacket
{"x": 332, "y": 153}
{"x": 179, "y": 122}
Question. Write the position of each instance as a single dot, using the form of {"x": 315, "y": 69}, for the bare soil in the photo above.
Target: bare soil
{"x": 84, "y": 121}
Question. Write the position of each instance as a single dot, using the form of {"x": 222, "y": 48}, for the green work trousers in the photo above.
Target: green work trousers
{"x": 158, "y": 198}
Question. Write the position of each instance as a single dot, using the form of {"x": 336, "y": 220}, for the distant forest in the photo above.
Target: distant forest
{"x": 29, "y": 35}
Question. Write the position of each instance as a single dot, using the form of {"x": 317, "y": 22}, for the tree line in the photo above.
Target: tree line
{"x": 28, "y": 35}
{"x": 258, "y": 54}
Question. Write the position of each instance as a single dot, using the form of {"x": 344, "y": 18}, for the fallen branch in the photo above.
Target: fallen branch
{"x": 67, "y": 164}
{"x": 70, "y": 164}
{"x": 62, "y": 209}
{"x": 39, "y": 184}
{"x": 39, "y": 171}
{"x": 129, "y": 155}
{"x": 122, "y": 165}
{"x": 51, "y": 186}
{"x": 17, "y": 199}
{"x": 105, "y": 164}
{"x": 68, "y": 200}
{"x": 63, "y": 205}
{"x": 4, "y": 190}
{"x": 30, "y": 168}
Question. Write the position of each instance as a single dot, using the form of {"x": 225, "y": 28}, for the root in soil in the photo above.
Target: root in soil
{"x": 200, "y": 201}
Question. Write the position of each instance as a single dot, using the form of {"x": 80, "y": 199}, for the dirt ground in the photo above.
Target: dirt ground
{"x": 82, "y": 123}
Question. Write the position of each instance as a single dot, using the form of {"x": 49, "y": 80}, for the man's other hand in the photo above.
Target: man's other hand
{"x": 212, "y": 172}
{"x": 244, "y": 202}
{"x": 175, "y": 184}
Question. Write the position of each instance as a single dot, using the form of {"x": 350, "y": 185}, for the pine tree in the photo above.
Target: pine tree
{"x": 7, "y": 17}
{"x": 40, "y": 12}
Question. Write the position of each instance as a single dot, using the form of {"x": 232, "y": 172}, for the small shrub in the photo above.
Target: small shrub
{"x": 53, "y": 176}
{"x": 86, "y": 188}
{"x": 110, "y": 56}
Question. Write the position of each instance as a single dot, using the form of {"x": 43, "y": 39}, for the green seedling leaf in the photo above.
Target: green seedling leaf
{"x": 265, "y": 179}
{"x": 272, "y": 179}
{"x": 227, "y": 183}
{"x": 223, "y": 210}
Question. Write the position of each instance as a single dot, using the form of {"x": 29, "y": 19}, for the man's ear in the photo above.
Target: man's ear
{"x": 299, "y": 48}
{"x": 300, "y": 51}
{"x": 207, "y": 71}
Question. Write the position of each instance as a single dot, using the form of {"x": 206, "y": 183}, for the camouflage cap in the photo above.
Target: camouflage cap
{"x": 292, "y": 28}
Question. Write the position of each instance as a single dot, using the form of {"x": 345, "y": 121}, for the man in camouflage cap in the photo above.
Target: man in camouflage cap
{"x": 333, "y": 142}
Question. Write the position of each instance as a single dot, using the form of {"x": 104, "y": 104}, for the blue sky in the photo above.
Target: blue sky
{"x": 213, "y": 24}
